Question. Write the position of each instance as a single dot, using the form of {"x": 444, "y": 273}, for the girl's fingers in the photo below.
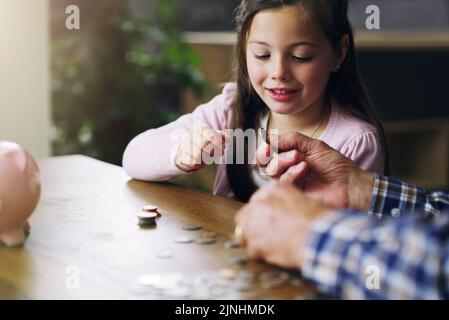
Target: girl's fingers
{"x": 212, "y": 135}
{"x": 203, "y": 135}
{"x": 190, "y": 163}
{"x": 196, "y": 154}
{"x": 203, "y": 144}
{"x": 281, "y": 162}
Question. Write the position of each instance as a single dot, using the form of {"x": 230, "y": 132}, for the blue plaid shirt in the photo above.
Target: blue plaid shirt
{"x": 399, "y": 251}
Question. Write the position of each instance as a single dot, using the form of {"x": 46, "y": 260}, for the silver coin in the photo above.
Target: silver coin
{"x": 247, "y": 274}
{"x": 146, "y": 223}
{"x": 243, "y": 286}
{"x": 205, "y": 278}
{"x": 184, "y": 240}
{"x": 231, "y": 244}
{"x": 284, "y": 275}
{"x": 147, "y": 215}
{"x": 296, "y": 282}
{"x": 237, "y": 259}
{"x": 269, "y": 275}
{"x": 272, "y": 284}
{"x": 217, "y": 291}
{"x": 204, "y": 241}
{"x": 191, "y": 227}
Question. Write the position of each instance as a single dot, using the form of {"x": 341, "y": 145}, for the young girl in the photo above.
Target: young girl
{"x": 296, "y": 71}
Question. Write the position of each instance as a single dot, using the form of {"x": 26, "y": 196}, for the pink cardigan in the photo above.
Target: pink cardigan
{"x": 150, "y": 155}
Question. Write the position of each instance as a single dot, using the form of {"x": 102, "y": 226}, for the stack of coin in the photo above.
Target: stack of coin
{"x": 147, "y": 219}
{"x": 151, "y": 208}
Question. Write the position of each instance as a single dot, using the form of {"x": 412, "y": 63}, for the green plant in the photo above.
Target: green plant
{"x": 121, "y": 74}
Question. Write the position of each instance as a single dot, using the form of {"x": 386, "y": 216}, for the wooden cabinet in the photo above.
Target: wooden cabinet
{"x": 419, "y": 151}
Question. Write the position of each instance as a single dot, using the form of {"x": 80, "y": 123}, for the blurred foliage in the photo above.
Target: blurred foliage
{"x": 120, "y": 74}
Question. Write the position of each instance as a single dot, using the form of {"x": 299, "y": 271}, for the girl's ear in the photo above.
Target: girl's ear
{"x": 341, "y": 52}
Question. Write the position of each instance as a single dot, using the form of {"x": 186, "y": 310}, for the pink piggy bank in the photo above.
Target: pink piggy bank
{"x": 20, "y": 190}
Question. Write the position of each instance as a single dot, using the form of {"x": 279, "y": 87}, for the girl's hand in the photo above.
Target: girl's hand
{"x": 202, "y": 147}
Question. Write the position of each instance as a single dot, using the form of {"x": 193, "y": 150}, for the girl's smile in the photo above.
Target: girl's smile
{"x": 283, "y": 94}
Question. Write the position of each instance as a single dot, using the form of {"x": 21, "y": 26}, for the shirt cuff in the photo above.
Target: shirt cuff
{"x": 392, "y": 197}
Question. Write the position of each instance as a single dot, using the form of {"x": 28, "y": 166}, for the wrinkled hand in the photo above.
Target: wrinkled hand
{"x": 275, "y": 223}
{"x": 200, "y": 147}
{"x": 321, "y": 172}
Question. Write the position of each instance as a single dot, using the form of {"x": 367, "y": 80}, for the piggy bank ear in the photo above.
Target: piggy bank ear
{"x": 19, "y": 157}
{"x": 6, "y": 146}
{"x": 15, "y": 152}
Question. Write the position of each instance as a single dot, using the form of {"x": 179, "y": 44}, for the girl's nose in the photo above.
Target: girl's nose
{"x": 280, "y": 70}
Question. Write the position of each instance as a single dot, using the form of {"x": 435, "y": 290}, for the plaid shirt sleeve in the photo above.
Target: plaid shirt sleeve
{"x": 403, "y": 256}
{"x": 393, "y": 198}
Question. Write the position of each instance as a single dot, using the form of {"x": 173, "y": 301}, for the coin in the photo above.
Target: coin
{"x": 227, "y": 273}
{"x": 203, "y": 240}
{"x": 247, "y": 274}
{"x": 231, "y": 244}
{"x": 243, "y": 286}
{"x": 217, "y": 291}
{"x": 146, "y": 223}
{"x": 271, "y": 284}
{"x": 147, "y": 219}
{"x": 296, "y": 282}
{"x": 209, "y": 234}
{"x": 147, "y": 215}
{"x": 184, "y": 240}
{"x": 238, "y": 259}
{"x": 191, "y": 227}
{"x": 269, "y": 275}
{"x": 150, "y": 208}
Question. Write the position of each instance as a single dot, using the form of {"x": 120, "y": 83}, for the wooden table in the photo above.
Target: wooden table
{"x": 85, "y": 244}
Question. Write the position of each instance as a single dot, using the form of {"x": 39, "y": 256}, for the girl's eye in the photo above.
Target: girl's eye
{"x": 301, "y": 59}
{"x": 262, "y": 56}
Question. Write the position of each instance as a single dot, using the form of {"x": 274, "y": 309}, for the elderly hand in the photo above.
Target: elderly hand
{"x": 320, "y": 171}
{"x": 275, "y": 223}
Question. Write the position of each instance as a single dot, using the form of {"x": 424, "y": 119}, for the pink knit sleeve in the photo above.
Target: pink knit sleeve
{"x": 366, "y": 151}
{"x": 150, "y": 155}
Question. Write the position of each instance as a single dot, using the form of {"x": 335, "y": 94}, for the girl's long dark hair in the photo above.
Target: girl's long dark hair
{"x": 345, "y": 86}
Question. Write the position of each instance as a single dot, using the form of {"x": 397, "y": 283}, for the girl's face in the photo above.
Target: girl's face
{"x": 289, "y": 60}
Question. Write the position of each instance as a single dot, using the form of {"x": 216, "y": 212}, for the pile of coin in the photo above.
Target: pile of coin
{"x": 148, "y": 216}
